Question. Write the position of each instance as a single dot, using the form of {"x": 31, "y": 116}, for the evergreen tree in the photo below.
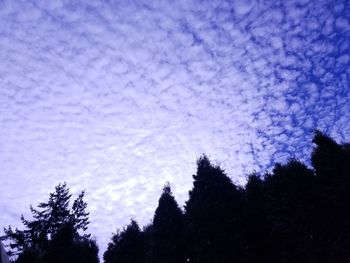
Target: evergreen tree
{"x": 78, "y": 216}
{"x": 331, "y": 162}
{"x": 289, "y": 195}
{"x": 330, "y": 159}
{"x": 257, "y": 227}
{"x": 213, "y": 216}
{"x": 69, "y": 247}
{"x": 167, "y": 231}
{"x": 127, "y": 246}
{"x": 29, "y": 255}
{"x": 147, "y": 237}
{"x": 49, "y": 219}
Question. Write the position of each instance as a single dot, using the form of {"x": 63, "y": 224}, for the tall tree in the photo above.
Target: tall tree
{"x": 127, "y": 246}
{"x": 289, "y": 198}
{"x": 213, "y": 225}
{"x": 147, "y": 237}
{"x": 257, "y": 227}
{"x": 78, "y": 215}
{"x": 69, "y": 247}
{"x": 167, "y": 232}
{"x": 331, "y": 162}
{"x": 48, "y": 220}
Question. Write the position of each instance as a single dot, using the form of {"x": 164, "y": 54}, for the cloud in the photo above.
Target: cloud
{"x": 243, "y": 7}
{"x": 119, "y": 98}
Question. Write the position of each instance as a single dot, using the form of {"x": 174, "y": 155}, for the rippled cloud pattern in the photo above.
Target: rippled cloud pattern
{"x": 119, "y": 97}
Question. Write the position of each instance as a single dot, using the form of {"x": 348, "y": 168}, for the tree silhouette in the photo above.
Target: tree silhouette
{"x": 257, "y": 226}
{"x": 214, "y": 227}
{"x": 147, "y": 233}
{"x": 127, "y": 246}
{"x": 68, "y": 246}
{"x": 332, "y": 193}
{"x": 167, "y": 230}
{"x": 293, "y": 214}
{"x": 52, "y": 221}
{"x": 289, "y": 195}
{"x": 30, "y": 255}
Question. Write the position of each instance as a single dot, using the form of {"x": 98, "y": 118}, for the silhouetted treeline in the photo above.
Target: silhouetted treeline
{"x": 293, "y": 214}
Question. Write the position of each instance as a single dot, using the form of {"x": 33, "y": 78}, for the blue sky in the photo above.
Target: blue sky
{"x": 119, "y": 97}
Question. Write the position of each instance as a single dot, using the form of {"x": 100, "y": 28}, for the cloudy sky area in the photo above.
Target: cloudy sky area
{"x": 118, "y": 97}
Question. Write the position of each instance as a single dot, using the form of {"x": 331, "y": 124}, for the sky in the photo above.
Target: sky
{"x": 120, "y": 97}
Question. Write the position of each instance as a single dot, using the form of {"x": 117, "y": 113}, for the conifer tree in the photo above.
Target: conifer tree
{"x": 147, "y": 237}
{"x": 257, "y": 227}
{"x": 288, "y": 196}
{"x": 69, "y": 247}
{"x": 331, "y": 162}
{"x": 212, "y": 214}
{"x": 49, "y": 218}
{"x": 127, "y": 246}
{"x": 167, "y": 231}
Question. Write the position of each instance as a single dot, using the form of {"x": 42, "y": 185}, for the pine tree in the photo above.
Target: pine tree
{"x": 48, "y": 220}
{"x": 167, "y": 231}
{"x": 78, "y": 214}
{"x": 127, "y": 246}
{"x": 289, "y": 195}
{"x": 331, "y": 162}
{"x": 69, "y": 247}
{"x": 257, "y": 227}
{"x": 213, "y": 225}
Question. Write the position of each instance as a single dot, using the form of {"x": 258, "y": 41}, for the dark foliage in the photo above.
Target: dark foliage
{"x": 331, "y": 162}
{"x": 293, "y": 214}
{"x": 127, "y": 246}
{"x": 167, "y": 240}
{"x": 257, "y": 228}
{"x": 53, "y": 233}
{"x": 69, "y": 247}
{"x": 288, "y": 192}
{"x": 213, "y": 216}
